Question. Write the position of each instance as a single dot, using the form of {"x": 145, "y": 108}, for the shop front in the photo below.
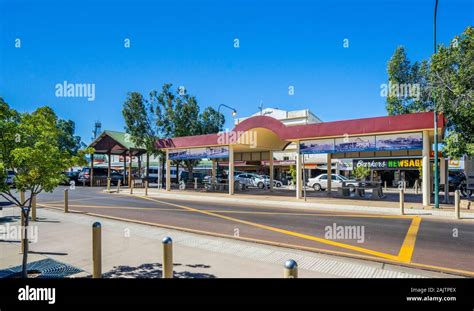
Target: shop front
{"x": 398, "y": 147}
{"x": 393, "y": 171}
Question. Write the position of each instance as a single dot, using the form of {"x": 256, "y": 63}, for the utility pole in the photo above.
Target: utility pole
{"x": 435, "y": 112}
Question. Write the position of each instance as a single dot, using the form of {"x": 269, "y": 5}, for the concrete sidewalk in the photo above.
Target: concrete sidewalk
{"x": 321, "y": 204}
{"x": 133, "y": 250}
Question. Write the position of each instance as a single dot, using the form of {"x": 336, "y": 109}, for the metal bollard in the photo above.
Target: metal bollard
{"x": 66, "y": 200}
{"x": 291, "y": 269}
{"x": 132, "y": 182}
{"x": 96, "y": 250}
{"x": 385, "y": 186}
{"x": 195, "y": 183}
{"x": 118, "y": 185}
{"x": 402, "y": 202}
{"x": 146, "y": 187}
{"x": 457, "y": 204}
{"x": 167, "y": 258}
{"x": 33, "y": 208}
{"x": 108, "y": 183}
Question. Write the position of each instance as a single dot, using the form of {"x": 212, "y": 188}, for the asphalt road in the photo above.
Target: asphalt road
{"x": 433, "y": 244}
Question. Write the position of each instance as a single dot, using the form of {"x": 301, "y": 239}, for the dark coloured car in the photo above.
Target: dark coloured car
{"x": 185, "y": 176}
{"x": 99, "y": 172}
{"x": 458, "y": 182}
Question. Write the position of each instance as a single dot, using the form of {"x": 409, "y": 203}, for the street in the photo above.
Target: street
{"x": 425, "y": 243}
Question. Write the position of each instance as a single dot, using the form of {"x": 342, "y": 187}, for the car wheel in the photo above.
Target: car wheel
{"x": 278, "y": 185}
{"x": 317, "y": 187}
{"x": 260, "y": 185}
{"x": 351, "y": 188}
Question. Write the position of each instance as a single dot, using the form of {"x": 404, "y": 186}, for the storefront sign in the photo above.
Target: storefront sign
{"x": 388, "y": 164}
{"x": 199, "y": 153}
{"x": 402, "y": 141}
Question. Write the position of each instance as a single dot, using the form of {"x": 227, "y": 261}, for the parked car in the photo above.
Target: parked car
{"x": 458, "y": 182}
{"x": 70, "y": 176}
{"x": 153, "y": 172}
{"x": 99, "y": 172}
{"x": 246, "y": 179}
{"x": 320, "y": 182}
{"x": 185, "y": 176}
{"x": 264, "y": 180}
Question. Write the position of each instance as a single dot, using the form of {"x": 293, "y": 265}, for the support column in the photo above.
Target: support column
{"x": 329, "y": 166}
{"x": 124, "y": 168}
{"x": 271, "y": 170}
{"x": 130, "y": 168}
{"x": 299, "y": 186}
{"x": 214, "y": 171}
{"x": 231, "y": 170}
{"x": 426, "y": 180}
{"x": 92, "y": 171}
{"x": 446, "y": 181}
{"x": 147, "y": 174}
{"x": 168, "y": 171}
{"x": 140, "y": 166}
{"x": 109, "y": 164}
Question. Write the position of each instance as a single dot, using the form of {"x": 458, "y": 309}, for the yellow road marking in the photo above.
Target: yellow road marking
{"x": 408, "y": 246}
{"x": 283, "y": 231}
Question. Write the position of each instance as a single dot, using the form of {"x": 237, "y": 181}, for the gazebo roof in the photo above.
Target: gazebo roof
{"x": 115, "y": 142}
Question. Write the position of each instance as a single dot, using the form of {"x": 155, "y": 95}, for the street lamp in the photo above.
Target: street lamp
{"x": 234, "y": 112}
{"x": 436, "y": 181}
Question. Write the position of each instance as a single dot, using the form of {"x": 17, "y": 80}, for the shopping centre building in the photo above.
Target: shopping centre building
{"x": 400, "y": 146}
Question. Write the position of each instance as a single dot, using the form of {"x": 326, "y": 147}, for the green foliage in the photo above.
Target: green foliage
{"x": 402, "y": 72}
{"x": 67, "y": 141}
{"x": 361, "y": 172}
{"x": 178, "y": 114}
{"x": 137, "y": 113}
{"x": 292, "y": 172}
{"x": 34, "y": 145}
{"x": 447, "y": 80}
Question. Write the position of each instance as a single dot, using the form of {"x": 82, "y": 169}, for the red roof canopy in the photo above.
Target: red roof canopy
{"x": 366, "y": 126}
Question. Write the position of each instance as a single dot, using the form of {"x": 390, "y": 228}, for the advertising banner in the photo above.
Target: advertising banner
{"x": 200, "y": 153}
{"x": 389, "y": 164}
{"x": 402, "y": 141}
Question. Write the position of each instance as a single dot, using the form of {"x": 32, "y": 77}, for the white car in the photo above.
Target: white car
{"x": 320, "y": 182}
{"x": 264, "y": 180}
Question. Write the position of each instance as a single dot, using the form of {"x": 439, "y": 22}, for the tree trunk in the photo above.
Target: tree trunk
{"x": 190, "y": 168}
{"x": 25, "y": 215}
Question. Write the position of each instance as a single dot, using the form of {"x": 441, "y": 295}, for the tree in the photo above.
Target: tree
{"x": 452, "y": 76}
{"x": 408, "y": 85}
{"x": 178, "y": 114}
{"x": 138, "y": 115}
{"x": 67, "y": 140}
{"x": 31, "y": 145}
{"x": 447, "y": 80}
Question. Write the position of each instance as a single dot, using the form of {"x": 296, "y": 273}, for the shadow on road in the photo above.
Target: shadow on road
{"x": 154, "y": 270}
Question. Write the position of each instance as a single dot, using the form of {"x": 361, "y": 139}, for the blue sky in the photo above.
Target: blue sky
{"x": 191, "y": 43}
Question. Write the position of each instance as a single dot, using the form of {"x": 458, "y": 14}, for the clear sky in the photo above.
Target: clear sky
{"x": 191, "y": 43}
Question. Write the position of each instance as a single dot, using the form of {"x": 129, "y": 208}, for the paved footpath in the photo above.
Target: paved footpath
{"x": 134, "y": 250}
